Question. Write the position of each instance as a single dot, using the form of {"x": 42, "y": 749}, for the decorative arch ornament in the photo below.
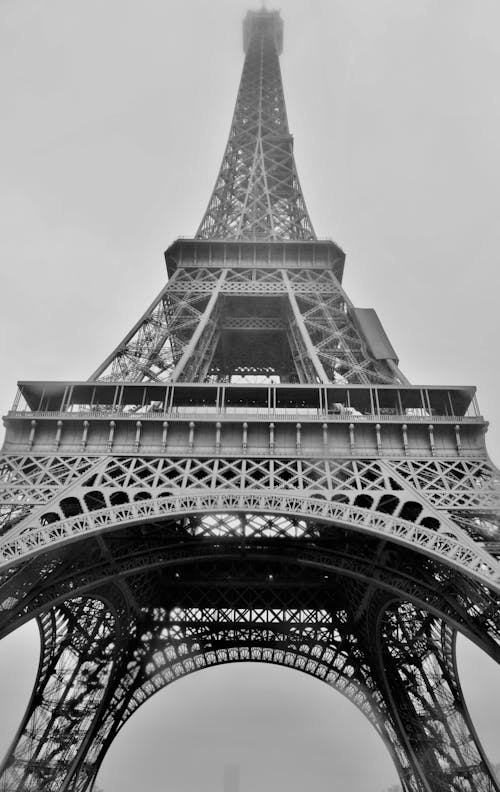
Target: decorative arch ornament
{"x": 447, "y": 546}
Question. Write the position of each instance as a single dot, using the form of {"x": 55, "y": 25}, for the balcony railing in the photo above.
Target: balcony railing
{"x": 278, "y": 400}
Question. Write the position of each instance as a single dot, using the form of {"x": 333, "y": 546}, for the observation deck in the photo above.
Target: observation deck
{"x": 244, "y": 418}
{"x": 256, "y": 254}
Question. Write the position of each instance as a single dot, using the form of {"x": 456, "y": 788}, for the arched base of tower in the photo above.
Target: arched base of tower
{"x": 162, "y": 601}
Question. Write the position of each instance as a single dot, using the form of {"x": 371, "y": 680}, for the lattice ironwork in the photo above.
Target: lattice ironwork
{"x": 153, "y": 346}
{"x": 282, "y": 606}
{"x": 420, "y": 667}
{"x": 78, "y": 647}
{"x": 257, "y": 194}
{"x": 195, "y": 330}
{"x": 345, "y": 524}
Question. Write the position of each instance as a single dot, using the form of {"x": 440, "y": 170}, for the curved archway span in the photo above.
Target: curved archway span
{"x": 181, "y": 643}
{"x": 131, "y": 555}
{"x": 459, "y": 552}
{"x": 222, "y": 599}
{"x": 274, "y": 721}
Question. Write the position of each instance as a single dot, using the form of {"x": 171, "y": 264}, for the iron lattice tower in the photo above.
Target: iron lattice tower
{"x": 249, "y": 476}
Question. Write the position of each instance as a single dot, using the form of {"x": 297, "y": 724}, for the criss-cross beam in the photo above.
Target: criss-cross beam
{"x": 101, "y": 660}
{"x": 418, "y": 664}
{"x": 257, "y": 194}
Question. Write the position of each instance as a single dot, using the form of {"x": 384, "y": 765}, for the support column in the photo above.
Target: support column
{"x": 188, "y": 353}
{"x": 417, "y": 659}
{"x": 313, "y": 355}
{"x": 79, "y": 647}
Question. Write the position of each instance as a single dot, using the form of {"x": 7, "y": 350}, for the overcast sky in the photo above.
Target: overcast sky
{"x": 113, "y": 121}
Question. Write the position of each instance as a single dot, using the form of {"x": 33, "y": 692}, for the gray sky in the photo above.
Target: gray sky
{"x": 113, "y": 121}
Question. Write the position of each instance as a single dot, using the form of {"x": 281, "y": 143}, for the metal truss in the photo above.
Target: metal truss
{"x": 457, "y": 551}
{"x": 466, "y": 485}
{"x": 29, "y": 480}
{"x": 151, "y": 349}
{"x": 419, "y": 666}
{"x": 166, "y": 646}
{"x": 336, "y": 341}
{"x": 195, "y": 331}
{"x": 394, "y": 660}
{"x": 257, "y": 194}
{"x": 78, "y": 643}
{"x": 437, "y": 505}
{"x": 168, "y": 541}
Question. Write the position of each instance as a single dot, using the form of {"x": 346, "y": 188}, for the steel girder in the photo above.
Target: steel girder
{"x": 179, "y": 336}
{"x": 257, "y": 194}
{"x": 79, "y": 645}
{"x": 419, "y": 667}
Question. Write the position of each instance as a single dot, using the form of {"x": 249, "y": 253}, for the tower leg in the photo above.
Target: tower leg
{"x": 79, "y": 647}
{"x": 165, "y": 648}
{"x": 419, "y": 670}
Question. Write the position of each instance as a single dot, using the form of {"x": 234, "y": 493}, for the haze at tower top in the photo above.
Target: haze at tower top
{"x": 263, "y": 23}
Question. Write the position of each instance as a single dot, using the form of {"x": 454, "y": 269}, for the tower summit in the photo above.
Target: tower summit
{"x": 249, "y": 476}
{"x": 257, "y": 195}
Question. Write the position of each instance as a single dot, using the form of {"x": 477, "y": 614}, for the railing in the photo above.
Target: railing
{"x": 278, "y": 451}
{"x": 189, "y": 413}
{"x": 353, "y": 402}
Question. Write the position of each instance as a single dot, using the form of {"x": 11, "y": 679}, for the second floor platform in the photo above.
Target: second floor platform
{"x": 244, "y": 417}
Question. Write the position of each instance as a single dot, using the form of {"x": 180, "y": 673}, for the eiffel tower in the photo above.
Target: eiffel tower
{"x": 250, "y": 477}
